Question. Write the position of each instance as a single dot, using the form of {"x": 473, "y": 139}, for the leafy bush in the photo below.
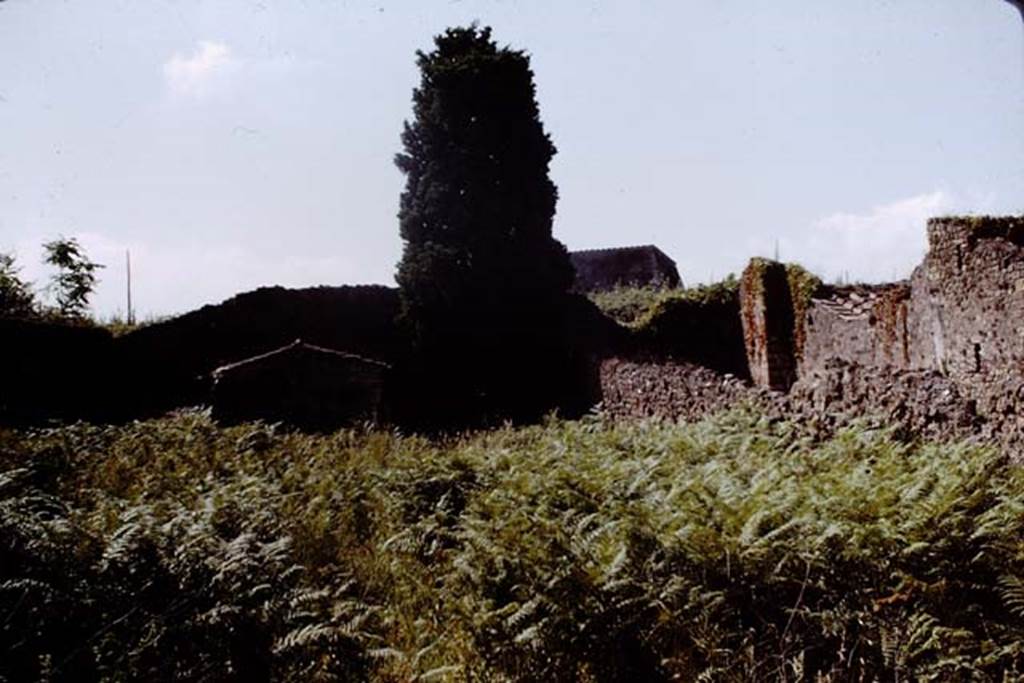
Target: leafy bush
{"x": 700, "y": 325}
{"x": 635, "y": 306}
{"x": 75, "y": 279}
{"x": 729, "y": 550}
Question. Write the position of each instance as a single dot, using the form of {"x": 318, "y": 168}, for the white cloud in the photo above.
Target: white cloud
{"x": 196, "y": 74}
{"x": 879, "y": 244}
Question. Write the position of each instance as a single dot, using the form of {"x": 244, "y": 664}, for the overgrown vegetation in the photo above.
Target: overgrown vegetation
{"x": 730, "y": 550}
{"x": 698, "y": 324}
{"x": 634, "y": 306}
{"x": 803, "y": 286}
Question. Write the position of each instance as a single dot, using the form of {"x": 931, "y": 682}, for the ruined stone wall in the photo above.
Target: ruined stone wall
{"x": 860, "y": 324}
{"x": 767, "y": 316}
{"x": 915, "y": 403}
{"x": 960, "y": 313}
{"x": 969, "y": 293}
{"x": 669, "y": 389}
{"x": 951, "y": 334}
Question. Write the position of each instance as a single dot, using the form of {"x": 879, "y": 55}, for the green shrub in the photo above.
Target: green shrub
{"x": 637, "y": 306}
{"x": 729, "y": 550}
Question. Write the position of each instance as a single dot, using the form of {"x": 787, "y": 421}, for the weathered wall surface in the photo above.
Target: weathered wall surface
{"x": 861, "y": 324}
{"x": 939, "y": 354}
{"x": 916, "y": 403}
{"x": 971, "y": 297}
{"x": 960, "y": 313}
{"x": 975, "y": 278}
{"x": 767, "y": 314}
{"x": 668, "y": 389}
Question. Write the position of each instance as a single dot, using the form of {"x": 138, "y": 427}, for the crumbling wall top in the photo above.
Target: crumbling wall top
{"x": 966, "y": 231}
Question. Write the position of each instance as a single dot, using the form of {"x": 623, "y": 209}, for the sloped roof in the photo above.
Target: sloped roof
{"x": 297, "y": 347}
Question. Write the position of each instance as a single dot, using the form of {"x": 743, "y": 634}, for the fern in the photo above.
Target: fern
{"x": 730, "y": 550}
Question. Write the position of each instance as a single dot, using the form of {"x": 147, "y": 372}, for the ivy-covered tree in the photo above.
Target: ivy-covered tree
{"x": 483, "y": 282}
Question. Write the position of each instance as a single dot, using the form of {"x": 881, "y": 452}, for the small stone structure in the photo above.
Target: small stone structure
{"x": 302, "y": 385}
{"x": 603, "y": 269}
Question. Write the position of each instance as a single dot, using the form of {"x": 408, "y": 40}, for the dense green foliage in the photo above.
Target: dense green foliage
{"x": 731, "y": 550}
{"x": 637, "y": 306}
{"x": 480, "y": 275}
{"x": 698, "y": 324}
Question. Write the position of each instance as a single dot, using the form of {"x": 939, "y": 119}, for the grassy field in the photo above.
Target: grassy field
{"x": 729, "y": 550}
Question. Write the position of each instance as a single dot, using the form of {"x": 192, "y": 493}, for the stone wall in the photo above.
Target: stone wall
{"x": 970, "y": 293}
{"x": 941, "y": 353}
{"x": 767, "y": 316}
{"x": 960, "y": 314}
{"x": 861, "y": 324}
{"x": 668, "y": 389}
{"x": 974, "y": 283}
{"x": 915, "y": 403}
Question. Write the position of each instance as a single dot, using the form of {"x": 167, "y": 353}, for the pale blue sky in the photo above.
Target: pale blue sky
{"x": 238, "y": 143}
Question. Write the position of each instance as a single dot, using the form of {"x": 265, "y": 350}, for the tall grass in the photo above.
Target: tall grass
{"x": 729, "y": 550}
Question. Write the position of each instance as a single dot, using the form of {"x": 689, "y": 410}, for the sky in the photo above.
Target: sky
{"x": 232, "y": 144}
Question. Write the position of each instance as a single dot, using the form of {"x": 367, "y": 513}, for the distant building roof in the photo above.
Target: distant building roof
{"x": 603, "y": 269}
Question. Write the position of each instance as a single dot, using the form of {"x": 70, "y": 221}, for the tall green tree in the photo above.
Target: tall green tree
{"x": 75, "y": 279}
{"x": 480, "y": 273}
